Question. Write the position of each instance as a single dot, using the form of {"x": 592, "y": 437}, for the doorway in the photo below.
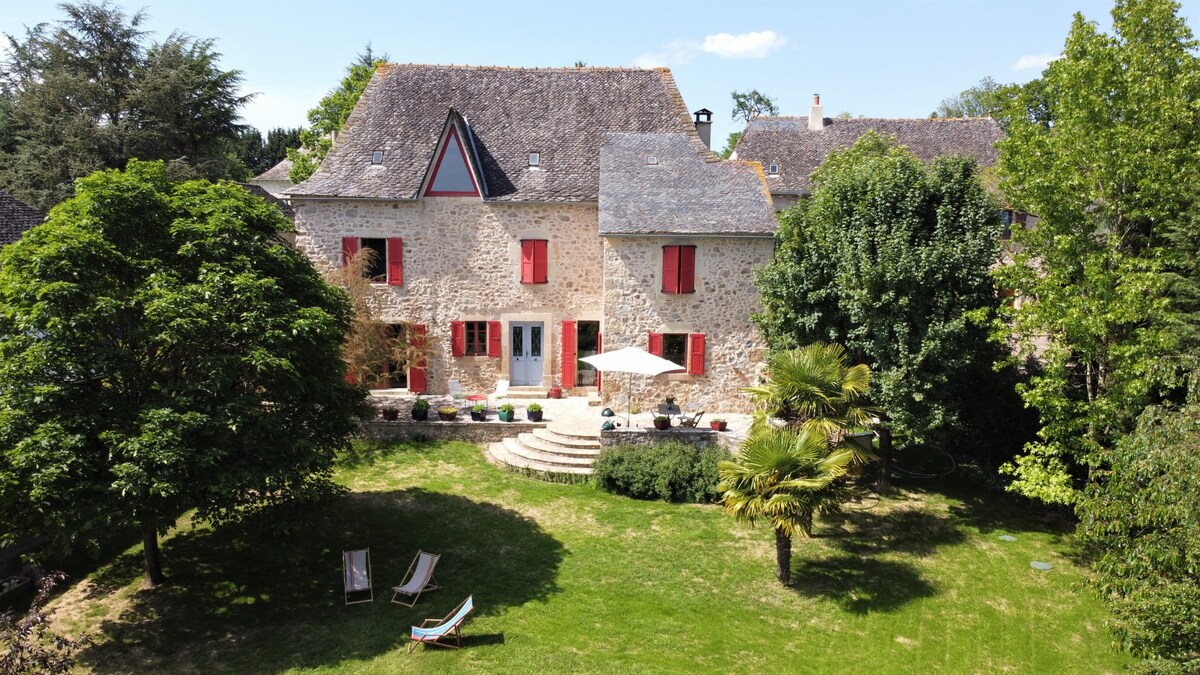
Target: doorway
{"x": 526, "y": 360}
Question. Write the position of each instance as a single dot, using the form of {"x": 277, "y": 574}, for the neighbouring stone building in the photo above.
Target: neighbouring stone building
{"x": 525, "y": 218}
{"x": 15, "y": 218}
{"x": 275, "y": 180}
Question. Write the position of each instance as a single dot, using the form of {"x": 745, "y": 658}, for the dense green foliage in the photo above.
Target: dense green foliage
{"x": 890, "y": 258}
{"x": 730, "y": 144}
{"x": 1030, "y": 102}
{"x": 753, "y": 103}
{"x": 813, "y": 387}
{"x": 92, "y": 93}
{"x": 327, "y": 118}
{"x": 1142, "y": 520}
{"x": 1113, "y": 181}
{"x": 258, "y": 155}
{"x": 162, "y": 349}
{"x": 672, "y": 471}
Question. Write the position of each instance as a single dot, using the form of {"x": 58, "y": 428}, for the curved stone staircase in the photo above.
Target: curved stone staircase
{"x": 554, "y": 449}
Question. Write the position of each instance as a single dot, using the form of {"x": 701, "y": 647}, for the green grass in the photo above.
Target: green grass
{"x": 569, "y": 579}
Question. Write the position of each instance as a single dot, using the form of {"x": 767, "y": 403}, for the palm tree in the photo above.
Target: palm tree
{"x": 784, "y": 476}
{"x": 812, "y": 387}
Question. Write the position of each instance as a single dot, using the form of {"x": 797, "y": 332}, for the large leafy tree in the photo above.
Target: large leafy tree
{"x": 258, "y": 154}
{"x": 1031, "y": 101}
{"x": 161, "y": 349}
{"x": 1101, "y": 275}
{"x": 92, "y": 92}
{"x": 889, "y": 258}
{"x": 327, "y": 118}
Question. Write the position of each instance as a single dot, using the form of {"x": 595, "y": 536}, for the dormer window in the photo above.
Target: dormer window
{"x": 535, "y": 159}
{"x": 773, "y": 170}
{"x": 377, "y": 157}
{"x": 652, "y": 160}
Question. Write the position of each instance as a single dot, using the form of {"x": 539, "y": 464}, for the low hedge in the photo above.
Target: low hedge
{"x": 672, "y": 471}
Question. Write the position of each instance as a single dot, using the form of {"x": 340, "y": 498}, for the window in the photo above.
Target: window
{"x": 386, "y": 259}
{"x": 476, "y": 338}
{"x": 1006, "y": 220}
{"x": 451, "y": 175}
{"x": 773, "y": 169}
{"x": 377, "y": 157}
{"x": 533, "y": 261}
{"x": 679, "y": 269}
{"x": 652, "y": 160}
{"x": 685, "y": 349}
{"x": 535, "y": 159}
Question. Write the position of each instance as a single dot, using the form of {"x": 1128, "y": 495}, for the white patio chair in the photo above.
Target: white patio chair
{"x": 497, "y": 392}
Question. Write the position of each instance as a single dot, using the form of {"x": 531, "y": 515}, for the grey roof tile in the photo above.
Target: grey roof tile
{"x": 278, "y": 172}
{"x": 260, "y": 191}
{"x": 683, "y": 193}
{"x": 788, "y": 142}
{"x": 561, "y": 113}
{"x": 15, "y": 218}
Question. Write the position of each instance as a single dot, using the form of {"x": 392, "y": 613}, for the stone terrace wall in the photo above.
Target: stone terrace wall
{"x": 725, "y": 297}
{"x": 462, "y": 263}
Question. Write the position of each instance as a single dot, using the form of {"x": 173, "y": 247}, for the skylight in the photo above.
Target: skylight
{"x": 377, "y": 157}
{"x": 652, "y": 160}
{"x": 535, "y": 159}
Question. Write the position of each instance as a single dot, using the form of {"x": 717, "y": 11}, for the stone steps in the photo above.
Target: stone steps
{"x": 510, "y": 452}
{"x": 554, "y": 449}
{"x": 524, "y": 393}
{"x": 561, "y": 449}
{"x": 568, "y": 441}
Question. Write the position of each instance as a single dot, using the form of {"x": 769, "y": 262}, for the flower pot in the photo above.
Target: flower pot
{"x": 447, "y": 417}
{"x": 479, "y": 416}
{"x": 420, "y": 415}
{"x": 390, "y": 414}
{"x": 662, "y": 425}
{"x": 718, "y": 426}
{"x": 507, "y": 416}
{"x": 534, "y": 415}
{"x": 555, "y": 392}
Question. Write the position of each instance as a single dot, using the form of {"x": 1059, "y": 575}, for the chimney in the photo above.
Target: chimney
{"x": 704, "y": 126}
{"x": 816, "y": 115}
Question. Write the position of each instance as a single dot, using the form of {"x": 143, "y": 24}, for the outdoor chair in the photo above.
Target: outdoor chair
{"x": 691, "y": 418}
{"x": 418, "y": 579}
{"x": 456, "y": 390}
{"x": 356, "y": 575}
{"x": 499, "y": 391}
{"x": 443, "y": 630}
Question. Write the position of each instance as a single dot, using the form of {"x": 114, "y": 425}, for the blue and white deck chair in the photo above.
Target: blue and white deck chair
{"x": 443, "y": 630}
{"x": 418, "y": 579}
{"x": 356, "y": 575}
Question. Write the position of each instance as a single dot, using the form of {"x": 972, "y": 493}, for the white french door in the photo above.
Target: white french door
{"x": 526, "y": 360}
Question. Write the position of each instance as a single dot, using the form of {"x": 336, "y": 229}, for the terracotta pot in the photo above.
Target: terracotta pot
{"x": 390, "y": 414}
{"x": 555, "y": 392}
{"x": 662, "y": 425}
{"x": 718, "y": 426}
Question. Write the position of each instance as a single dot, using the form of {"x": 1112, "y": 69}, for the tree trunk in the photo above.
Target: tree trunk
{"x": 783, "y": 557}
{"x": 154, "y": 573}
{"x": 884, "y": 482}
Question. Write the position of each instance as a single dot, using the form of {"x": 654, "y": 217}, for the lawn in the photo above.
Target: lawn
{"x": 570, "y": 579}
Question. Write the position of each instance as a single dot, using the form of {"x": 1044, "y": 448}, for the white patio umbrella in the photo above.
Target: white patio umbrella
{"x": 631, "y": 360}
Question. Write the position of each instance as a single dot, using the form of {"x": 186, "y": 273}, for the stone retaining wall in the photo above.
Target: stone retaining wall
{"x": 466, "y": 431}
{"x": 638, "y": 436}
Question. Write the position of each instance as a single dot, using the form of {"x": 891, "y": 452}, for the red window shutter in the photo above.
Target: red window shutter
{"x": 494, "y": 339}
{"x": 569, "y": 353}
{"x": 599, "y": 350}
{"x": 416, "y": 372}
{"x": 351, "y": 376}
{"x": 527, "y": 256}
{"x": 670, "y": 269}
{"x": 656, "y": 344}
{"x": 458, "y": 338}
{"x": 395, "y": 261}
{"x": 349, "y": 250}
{"x": 696, "y": 354}
{"x": 539, "y": 261}
{"x": 687, "y": 269}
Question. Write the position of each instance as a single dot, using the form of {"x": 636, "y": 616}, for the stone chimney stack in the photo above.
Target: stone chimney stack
{"x": 704, "y": 125}
{"x": 816, "y": 115}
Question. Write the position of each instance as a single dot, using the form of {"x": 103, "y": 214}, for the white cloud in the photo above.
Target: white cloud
{"x": 1034, "y": 61}
{"x": 741, "y": 46}
{"x": 744, "y": 45}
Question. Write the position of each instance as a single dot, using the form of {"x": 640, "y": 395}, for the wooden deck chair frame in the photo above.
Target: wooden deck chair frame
{"x": 429, "y": 585}
{"x": 352, "y": 581}
{"x": 690, "y": 421}
{"x": 455, "y": 633}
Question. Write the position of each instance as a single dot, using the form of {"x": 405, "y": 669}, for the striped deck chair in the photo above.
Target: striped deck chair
{"x": 418, "y": 579}
{"x": 443, "y": 630}
{"x": 356, "y": 575}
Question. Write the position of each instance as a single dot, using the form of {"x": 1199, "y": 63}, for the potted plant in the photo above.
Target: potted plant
{"x": 534, "y": 412}
{"x": 718, "y": 424}
{"x": 447, "y": 413}
{"x": 507, "y": 412}
{"x": 479, "y": 412}
{"x": 556, "y": 392}
{"x": 420, "y": 409}
{"x": 390, "y": 412}
{"x": 662, "y": 422}
{"x": 670, "y": 400}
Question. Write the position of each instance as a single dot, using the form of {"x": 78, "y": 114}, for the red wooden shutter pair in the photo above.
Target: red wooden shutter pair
{"x": 695, "y": 365}
{"x": 569, "y": 353}
{"x": 458, "y": 339}
{"x": 416, "y": 371}
{"x": 533, "y": 261}
{"x": 656, "y": 344}
{"x": 679, "y": 269}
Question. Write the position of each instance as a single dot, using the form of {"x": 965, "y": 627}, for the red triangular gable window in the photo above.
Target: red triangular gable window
{"x": 452, "y": 176}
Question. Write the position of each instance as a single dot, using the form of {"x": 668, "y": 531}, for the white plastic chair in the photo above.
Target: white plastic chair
{"x": 497, "y": 392}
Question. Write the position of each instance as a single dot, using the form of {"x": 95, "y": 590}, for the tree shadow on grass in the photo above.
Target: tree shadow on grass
{"x": 241, "y": 600}
{"x": 858, "y": 584}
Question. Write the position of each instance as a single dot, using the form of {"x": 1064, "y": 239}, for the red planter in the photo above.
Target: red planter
{"x": 662, "y": 425}
{"x": 555, "y": 392}
{"x": 718, "y": 426}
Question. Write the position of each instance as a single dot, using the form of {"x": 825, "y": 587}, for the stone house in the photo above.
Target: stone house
{"x": 15, "y": 218}
{"x": 525, "y": 218}
{"x": 275, "y": 180}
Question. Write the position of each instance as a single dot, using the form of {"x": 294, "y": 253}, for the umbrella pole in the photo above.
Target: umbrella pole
{"x": 628, "y": 396}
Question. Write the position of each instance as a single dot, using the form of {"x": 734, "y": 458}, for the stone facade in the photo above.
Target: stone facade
{"x": 462, "y": 263}
{"x": 725, "y": 297}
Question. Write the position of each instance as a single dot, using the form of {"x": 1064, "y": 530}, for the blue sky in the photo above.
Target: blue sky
{"x": 881, "y": 58}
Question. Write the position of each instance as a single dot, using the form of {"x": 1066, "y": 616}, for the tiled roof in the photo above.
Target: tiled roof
{"x": 682, "y": 193}
{"x": 15, "y": 217}
{"x": 260, "y": 191}
{"x": 561, "y": 113}
{"x": 278, "y": 172}
{"x": 788, "y": 142}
